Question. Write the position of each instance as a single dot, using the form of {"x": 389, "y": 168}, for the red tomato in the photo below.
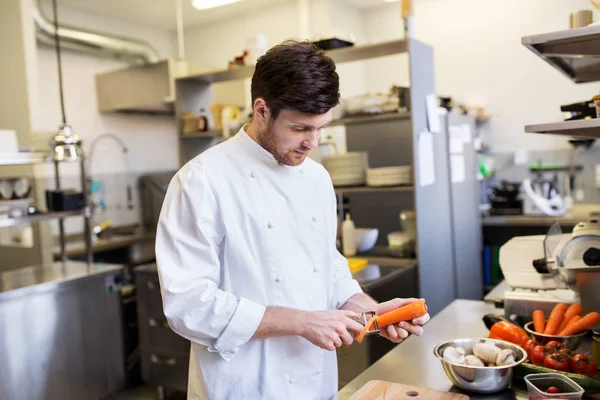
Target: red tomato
{"x": 583, "y": 364}
{"x": 528, "y": 346}
{"x": 566, "y": 351}
{"x": 552, "y": 389}
{"x": 559, "y": 362}
{"x": 537, "y": 355}
{"x": 553, "y": 347}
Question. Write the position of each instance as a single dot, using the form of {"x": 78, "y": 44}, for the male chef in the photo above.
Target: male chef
{"x": 246, "y": 247}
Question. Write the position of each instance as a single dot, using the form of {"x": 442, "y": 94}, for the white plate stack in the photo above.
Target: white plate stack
{"x": 390, "y": 176}
{"x": 348, "y": 169}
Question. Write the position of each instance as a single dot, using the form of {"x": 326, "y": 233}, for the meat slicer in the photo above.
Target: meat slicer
{"x": 542, "y": 271}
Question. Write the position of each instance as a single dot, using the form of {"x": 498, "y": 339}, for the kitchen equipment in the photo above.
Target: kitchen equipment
{"x": 544, "y": 270}
{"x": 505, "y": 199}
{"x": 580, "y": 110}
{"x": 365, "y": 238}
{"x": 380, "y": 390}
{"x": 581, "y": 18}
{"x": 399, "y": 240}
{"x": 572, "y": 342}
{"x": 479, "y": 379}
{"x": 538, "y": 384}
{"x": 408, "y": 220}
{"x": 14, "y": 208}
{"x": 64, "y": 200}
{"x": 542, "y": 198}
{"x": 332, "y": 43}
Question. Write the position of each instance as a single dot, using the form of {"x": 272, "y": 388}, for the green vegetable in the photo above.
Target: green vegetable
{"x": 590, "y": 385}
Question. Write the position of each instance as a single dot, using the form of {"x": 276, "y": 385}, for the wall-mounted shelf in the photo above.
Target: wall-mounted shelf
{"x": 38, "y": 217}
{"x": 367, "y": 189}
{"x": 574, "y": 52}
{"x": 202, "y": 135}
{"x": 22, "y": 158}
{"x": 588, "y": 128}
{"x": 346, "y": 54}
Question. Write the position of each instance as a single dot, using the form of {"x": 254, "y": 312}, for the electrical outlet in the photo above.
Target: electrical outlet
{"x": 598, "y": 176}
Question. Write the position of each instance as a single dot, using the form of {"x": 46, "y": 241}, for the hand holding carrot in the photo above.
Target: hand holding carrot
{"x": 397, "y": 332}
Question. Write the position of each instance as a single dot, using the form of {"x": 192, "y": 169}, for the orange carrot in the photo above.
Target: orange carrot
{"x": 581, "y": 325}
{"x": 571, "y": 322}
{"x": 555, "y": 319}
{"x": 405, "y": 313}
{"x": 572, "y": 311}
{"x": 539, "y": 321}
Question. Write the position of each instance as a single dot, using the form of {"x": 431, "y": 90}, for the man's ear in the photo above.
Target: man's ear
{"x": 262, "y": 112}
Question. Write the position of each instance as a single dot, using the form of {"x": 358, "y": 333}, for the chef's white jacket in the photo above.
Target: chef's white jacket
{"x": 238, "y": 232}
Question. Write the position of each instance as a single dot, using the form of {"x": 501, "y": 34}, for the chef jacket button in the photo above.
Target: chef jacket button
{"x": 252, "y": 174}
{"x": 316, "y": 269}
{"x": 291, "y": 380}
{"x": 302, "y": 171}
{"x": 278, "y": 278}
{"x": 319, "y": 372}
{"x": 270, "y": 225}
{"x": 314, "y": 219}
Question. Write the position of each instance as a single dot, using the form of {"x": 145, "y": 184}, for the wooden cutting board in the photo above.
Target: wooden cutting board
{"x": 382, "y": 390}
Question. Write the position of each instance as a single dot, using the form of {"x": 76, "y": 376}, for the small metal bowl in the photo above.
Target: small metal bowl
{"x": 479, "y": 379}
{"x": 572, "y": 342}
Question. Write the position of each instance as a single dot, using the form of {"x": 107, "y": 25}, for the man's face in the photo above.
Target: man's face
{"x": 292, "y": 135}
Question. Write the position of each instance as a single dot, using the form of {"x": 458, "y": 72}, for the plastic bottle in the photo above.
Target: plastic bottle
{"x": 202, "y": 121}
{"x": 348, "y": 238}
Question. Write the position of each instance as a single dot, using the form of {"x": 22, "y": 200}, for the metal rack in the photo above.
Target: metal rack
{"x": 41, "y": 158}
{"x": 575, "y": 53}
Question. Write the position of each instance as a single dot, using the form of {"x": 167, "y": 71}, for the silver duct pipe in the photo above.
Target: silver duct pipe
{"x": 130, "y": 50}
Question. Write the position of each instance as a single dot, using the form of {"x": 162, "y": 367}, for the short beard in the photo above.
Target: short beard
{"x": 268, "y": 140}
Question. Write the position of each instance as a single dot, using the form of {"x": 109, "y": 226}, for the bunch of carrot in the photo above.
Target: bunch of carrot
{"x": 564, "y": 321}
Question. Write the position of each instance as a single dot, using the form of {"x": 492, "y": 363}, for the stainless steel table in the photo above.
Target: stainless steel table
{"x": 413, "y": 363}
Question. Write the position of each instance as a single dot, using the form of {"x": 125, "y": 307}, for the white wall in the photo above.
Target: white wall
{"x": 151, "y": 140}
{"x": 479, "y": 57}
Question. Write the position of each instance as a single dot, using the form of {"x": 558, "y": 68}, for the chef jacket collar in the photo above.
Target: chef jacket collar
{"x": 263, "y": 154}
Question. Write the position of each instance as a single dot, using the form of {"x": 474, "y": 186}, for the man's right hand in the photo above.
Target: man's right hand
{"x": 330, "y": 329}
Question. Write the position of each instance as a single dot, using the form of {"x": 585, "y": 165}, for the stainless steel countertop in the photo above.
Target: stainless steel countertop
{"x": 413, "y": 362}
{"x": 497, "y": 293}
{"x": 77, "y": 247}
{"x": 40, "y": 278}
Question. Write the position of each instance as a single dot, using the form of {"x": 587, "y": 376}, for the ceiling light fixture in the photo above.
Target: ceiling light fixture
{"x": 206, "y": 4}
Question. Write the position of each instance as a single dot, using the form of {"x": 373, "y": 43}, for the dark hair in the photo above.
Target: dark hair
{"x": 298, "y": 76}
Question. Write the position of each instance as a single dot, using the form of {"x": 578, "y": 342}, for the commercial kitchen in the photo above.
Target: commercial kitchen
{"x": 463, "y": 157}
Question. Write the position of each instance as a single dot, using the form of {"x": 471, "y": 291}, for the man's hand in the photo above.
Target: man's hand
{"x": 330, "y": 329}
{"x": 398, "y": 332}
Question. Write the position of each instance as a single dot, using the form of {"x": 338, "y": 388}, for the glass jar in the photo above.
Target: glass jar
{"x": 596, "y": 346}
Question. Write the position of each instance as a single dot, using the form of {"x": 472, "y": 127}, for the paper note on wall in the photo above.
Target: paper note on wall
{"x": 466, "y": 129}
{"x": 455, "y": 140}
{"x": 433, "y": 117}
{"x": 426, "y": 159}
{"x": 457, "y": 168}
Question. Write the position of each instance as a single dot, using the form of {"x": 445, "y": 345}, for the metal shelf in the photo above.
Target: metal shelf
{"x": 38, "y": 217}
{"x": 367, "y": 189}
{"x": 588, "y": 128}
{"x": 346, "y": 54}
{"x": 202, "y": 135}
{"x": 574, "y": 52}
{"x": 23, "y": 158}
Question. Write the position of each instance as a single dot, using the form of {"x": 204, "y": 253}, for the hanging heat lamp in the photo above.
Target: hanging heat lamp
{"x": 66, "y": 144}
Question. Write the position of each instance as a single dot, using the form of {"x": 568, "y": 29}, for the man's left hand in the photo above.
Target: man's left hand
{"x": 398, "y": 332}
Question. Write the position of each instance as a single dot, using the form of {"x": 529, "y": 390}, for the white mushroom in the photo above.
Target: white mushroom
{"x": 474, "y": 361}
{"x": 488, "y": 353}
{"x": 455, "y": 355}
{"x": 505, "y": 357}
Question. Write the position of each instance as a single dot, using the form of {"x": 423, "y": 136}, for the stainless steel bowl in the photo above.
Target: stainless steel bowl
{"x": 572, "y": 342}
{"x": 479, "y": 379}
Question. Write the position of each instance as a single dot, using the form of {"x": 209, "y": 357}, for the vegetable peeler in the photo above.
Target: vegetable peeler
{"x": 364, "y": 319}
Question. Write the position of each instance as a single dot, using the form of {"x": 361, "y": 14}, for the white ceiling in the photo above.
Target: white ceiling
{"x": 161, "y": 13}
